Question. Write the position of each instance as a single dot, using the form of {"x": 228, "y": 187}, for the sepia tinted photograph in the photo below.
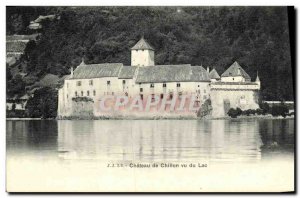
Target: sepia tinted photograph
{"x": 150, "y": 99}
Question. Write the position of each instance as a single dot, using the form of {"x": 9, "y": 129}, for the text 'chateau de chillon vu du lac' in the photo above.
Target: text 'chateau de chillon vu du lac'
{"x": 144, "y": 89}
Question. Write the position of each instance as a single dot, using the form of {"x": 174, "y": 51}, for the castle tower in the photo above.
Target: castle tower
{"x": 142, "y": 54}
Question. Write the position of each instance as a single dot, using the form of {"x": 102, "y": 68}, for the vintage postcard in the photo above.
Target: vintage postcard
{"x": 150, "y": 99}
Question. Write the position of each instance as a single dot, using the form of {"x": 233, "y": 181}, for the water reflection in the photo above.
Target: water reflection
{"x": 152, "y": 140}
{"x": 34, "y": 136}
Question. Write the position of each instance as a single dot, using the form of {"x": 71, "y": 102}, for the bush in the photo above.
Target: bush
{"x": 16, "y": 114}
{"x": 259, "y": 112}
{"x": 265, "y": 108}
{"x": 239, "y": 111}
{"x": 280, "y": 110}
{"x": 234, "y": 113}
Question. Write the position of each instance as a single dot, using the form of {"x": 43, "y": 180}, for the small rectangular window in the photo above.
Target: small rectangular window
{"x": 91, "y": 82}
{"x": 76, "y": 93}
{"x": 164, "y": 85}
{"x": 108, "y": 82}
{"x": 151, "y": 85}
{"x": 124, "y": 82}
{"x": 142, "y": 97}
{"x": 81, "y": 93}
{"x": 88, "y": 93}
{"x": 141, "y": 89}
{"x": 78, "y": 83}
{"x": 178, "y": 85}
{"x": 94, "y": 92}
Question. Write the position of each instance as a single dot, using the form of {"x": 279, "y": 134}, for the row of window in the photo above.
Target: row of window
{"x": 108, "y": 83}
{"x": 197, "y": 91}
{"x": 170, "y": 96}
{"x": 78, "y": 83}
{"x": 87, "y": 93}
{"x": 164, "y": 85}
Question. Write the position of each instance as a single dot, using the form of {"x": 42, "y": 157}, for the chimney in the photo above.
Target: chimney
{"x": 207, "y": 69}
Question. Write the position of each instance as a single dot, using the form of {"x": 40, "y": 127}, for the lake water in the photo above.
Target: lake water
{"x": 69, "y": 143}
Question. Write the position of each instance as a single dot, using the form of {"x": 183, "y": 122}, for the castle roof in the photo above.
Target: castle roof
{"x": 235, "y": 70}
{"x": 142, "y": 45}
{"x": 97, "y": 70}
{"x": 151, "y": 74}
{"x": 171, "y": 73}
{"x": 199, "y": 74}
{"x": 127, "y": 72}
{"x": 214, "y": 74}
{"x": 17, "y": 46}
{"x": 164, "y": 73}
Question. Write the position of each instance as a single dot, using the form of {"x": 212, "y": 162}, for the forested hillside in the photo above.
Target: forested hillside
{"x": 256, "y": 37}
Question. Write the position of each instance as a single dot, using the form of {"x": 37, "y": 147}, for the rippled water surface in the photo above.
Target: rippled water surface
{"x": 152, "y": 140}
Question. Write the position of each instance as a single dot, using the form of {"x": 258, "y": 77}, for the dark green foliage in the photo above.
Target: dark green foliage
{"x": 276, "y": 110}
{"x": 259, "y": 112}
{"x": 234, "y": 113}
{"x": 205, "y": 109}
{"x": 16, "y": 114}
{"x": 265, "y": 108}
{"x": 257, "y": 37}
{"x": 16, "y": 86}
{"x": 280, "y": 110}
{"x": 249, "y": 112}
{"x": 239, "y": 111}
{"x": 43, "y": 104}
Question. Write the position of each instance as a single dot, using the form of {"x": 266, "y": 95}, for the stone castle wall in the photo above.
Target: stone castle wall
{"x": 223, "y": 100}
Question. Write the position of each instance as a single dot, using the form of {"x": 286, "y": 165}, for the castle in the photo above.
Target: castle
{"x": 88, "y": 84}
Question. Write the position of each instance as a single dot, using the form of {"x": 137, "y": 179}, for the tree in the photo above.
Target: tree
{"x": 234, "y": 113}
{"x": 43, "y": 104}
{"x": 16, "y": 86}
{"x": 256, "y": 37}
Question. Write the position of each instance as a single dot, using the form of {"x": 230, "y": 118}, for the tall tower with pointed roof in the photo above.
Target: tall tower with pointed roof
{"x": 142, "y": 54}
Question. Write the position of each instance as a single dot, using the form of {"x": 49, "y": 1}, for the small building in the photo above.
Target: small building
{"x": 17, "y": 103}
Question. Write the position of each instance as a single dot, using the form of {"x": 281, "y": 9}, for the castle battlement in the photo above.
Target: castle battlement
{"x": 238, "y": 86}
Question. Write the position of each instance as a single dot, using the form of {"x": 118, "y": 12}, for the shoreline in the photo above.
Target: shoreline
{"x": 159, "y": 118}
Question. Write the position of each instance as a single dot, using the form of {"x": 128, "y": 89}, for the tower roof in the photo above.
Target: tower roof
{"x": 214, "y": 74}
{"x": 257, "y": 78}
{"x": 142, "y": 45}
{"x": 235, "y": 70}
{"x": 82, "y": 61}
